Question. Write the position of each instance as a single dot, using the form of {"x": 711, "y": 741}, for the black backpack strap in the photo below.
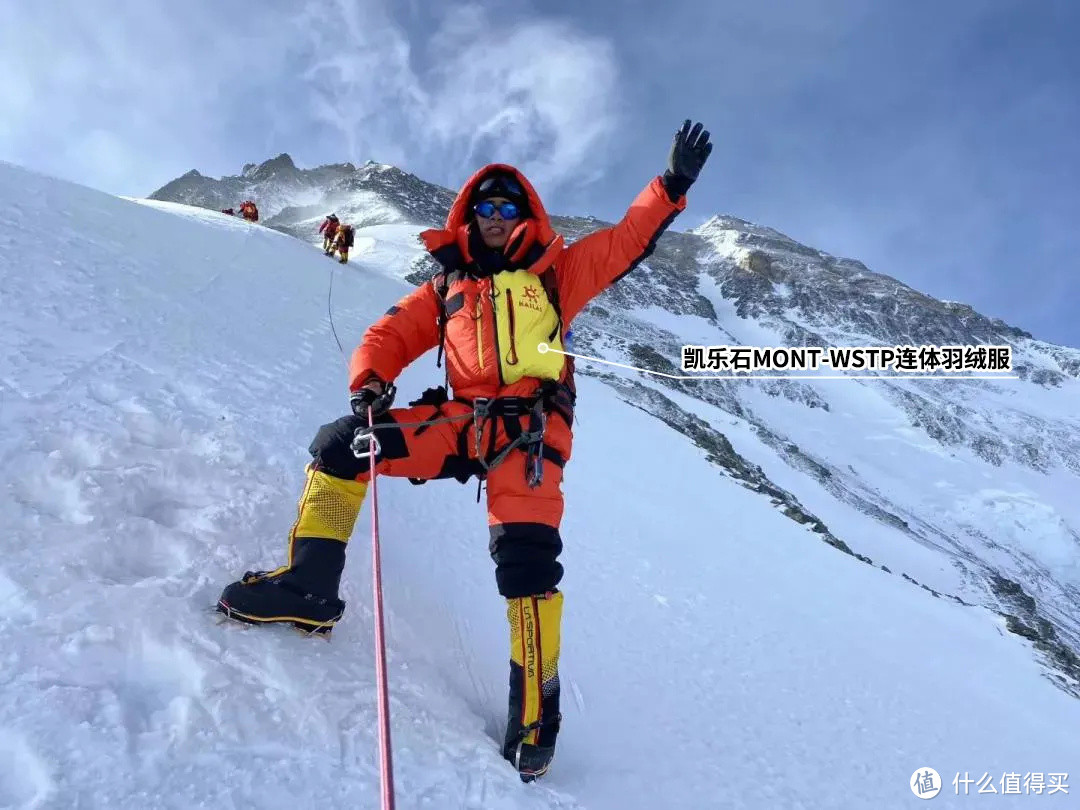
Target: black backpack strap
{"x": 564, "y": 395}
{"x": 441, "y": 284}
{"x": 550, "y": 283}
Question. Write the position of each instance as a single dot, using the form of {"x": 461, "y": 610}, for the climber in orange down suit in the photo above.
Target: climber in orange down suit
{"x": 507, "y": 287}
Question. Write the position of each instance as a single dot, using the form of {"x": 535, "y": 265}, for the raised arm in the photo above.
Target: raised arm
{"x": 594, "y": 263}
{"x": 406, "y": 331}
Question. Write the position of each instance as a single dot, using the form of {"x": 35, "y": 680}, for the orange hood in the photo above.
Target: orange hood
{"x": 534, "y": 229}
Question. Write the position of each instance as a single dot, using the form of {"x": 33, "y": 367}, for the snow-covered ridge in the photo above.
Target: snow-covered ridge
{"x": 915, "y": 457}
{"x": 163, "y": 370}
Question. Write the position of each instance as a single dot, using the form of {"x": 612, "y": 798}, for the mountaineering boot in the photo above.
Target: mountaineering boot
{"x": 304, "y": 591}
{"x": 534, "y": 719}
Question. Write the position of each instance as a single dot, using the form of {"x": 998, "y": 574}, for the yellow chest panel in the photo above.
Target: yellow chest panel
{"x": 524, "y": 319}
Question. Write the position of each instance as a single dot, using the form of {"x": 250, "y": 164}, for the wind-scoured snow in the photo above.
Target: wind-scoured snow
{"x": 162, "y": 373}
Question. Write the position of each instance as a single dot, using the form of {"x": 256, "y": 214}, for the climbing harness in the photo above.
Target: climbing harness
{"x": 484, "y": 413}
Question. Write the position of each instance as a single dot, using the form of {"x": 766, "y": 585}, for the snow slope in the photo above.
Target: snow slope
{"x": 162, "y": 372}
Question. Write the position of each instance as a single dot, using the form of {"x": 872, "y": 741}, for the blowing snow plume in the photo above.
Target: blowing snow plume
{"x": 454, "y": 102}
{"x": 162, "y": 374}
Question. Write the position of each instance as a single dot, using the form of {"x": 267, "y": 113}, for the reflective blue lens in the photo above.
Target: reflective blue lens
{"x": 507, "y": 210}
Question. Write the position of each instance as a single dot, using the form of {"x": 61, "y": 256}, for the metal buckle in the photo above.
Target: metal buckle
{"x": 535, "y": 455}
{"x": 517, "y": 406}
{"x": 364, "y": 443}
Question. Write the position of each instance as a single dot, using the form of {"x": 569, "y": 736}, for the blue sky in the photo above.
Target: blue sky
{"x": 936, "y": 142}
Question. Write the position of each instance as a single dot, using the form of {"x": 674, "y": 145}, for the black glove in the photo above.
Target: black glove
{"x": 366, "y": 397}
{"x": 689, "y": 151}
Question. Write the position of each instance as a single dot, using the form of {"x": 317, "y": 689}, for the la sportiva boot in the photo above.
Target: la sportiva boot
{"x": 534, "y": 719}
{"x": 304, "y": 591}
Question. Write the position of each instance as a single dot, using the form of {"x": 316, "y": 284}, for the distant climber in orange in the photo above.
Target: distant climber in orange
{"x": 343, "y": 241}
{"x": 249, "y": 211}
{"x": 329, "y": 230}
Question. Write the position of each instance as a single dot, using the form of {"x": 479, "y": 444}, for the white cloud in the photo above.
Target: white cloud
{"x": 538, "y": 94}
{"x": 119, "y": 97}
{"x": 126, "y": 100}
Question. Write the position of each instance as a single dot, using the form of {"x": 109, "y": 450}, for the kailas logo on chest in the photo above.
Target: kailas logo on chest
{"x": 531, "y": 299}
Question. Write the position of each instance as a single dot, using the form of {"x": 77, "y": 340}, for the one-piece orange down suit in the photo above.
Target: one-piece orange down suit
{"x": 497, "y": 314}
{"x": 490, "y": 312}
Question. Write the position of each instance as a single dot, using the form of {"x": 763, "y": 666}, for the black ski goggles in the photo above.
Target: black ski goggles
{"x": 501, "y": 183}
